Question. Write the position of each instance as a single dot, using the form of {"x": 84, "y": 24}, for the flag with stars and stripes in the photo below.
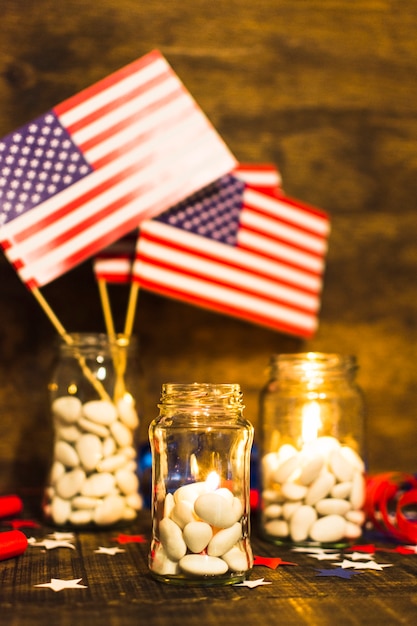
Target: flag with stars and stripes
{"x": 236, "y": 250}
{"x": 114, "y": 264}
{"x": 84, "y": 174}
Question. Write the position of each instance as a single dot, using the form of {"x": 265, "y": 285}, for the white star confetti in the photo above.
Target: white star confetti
{"x": 368, "y": 565}
{"x": 50, "y": 544}
{"x": 57, "y": 584}
{"x": 361, "y": 556}
{"x": 58, "y": 536}
{"x": 111, "y": 551}
{"x": 324, "y": 556}
{"x": 314, "y": 550}
{"x": 252, "y": 583}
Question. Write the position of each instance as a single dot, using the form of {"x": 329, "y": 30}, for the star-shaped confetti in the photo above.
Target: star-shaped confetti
{"x": 359, "y": 565}
{"x": 58, "y": 536}
{"x": 338, "y": 572}
{"x": 130, "y": 539}
{"x": 50, "y": 544}
{"x": 361, "y": 556}
{"x": 314, "y": 550}
{"x": 369, "y": 547}
{"x": 57, "y": 584}
{"x": 16, "y": 524}
{"x": 110, "y": 551}
{"x": 272, "y": 563}
{"x": 252, "y": 583}
{"x": 325, "y": 556}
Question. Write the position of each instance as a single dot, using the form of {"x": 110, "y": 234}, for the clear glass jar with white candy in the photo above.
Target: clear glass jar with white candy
{"x": 201, "y": 447}
{"x": 93, "y": 479}
{"x": 313, "y": 446}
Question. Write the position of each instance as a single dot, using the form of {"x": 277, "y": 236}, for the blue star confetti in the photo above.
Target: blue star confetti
{"x": 337, "y": 572}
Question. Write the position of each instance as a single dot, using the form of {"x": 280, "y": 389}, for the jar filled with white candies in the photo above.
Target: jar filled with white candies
{"x": 93, "y": 479}
{"x": 201, "y": 447}
{"x": 312, "y": 461}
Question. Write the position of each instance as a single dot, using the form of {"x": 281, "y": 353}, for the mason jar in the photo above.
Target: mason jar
{"x": 313, "y": 450}
{"x": 93, "y": 478}
{"x": 201, "y": 447}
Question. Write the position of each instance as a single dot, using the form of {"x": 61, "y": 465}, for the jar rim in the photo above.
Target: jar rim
{"x": 310, "y": 363}
{"x": 201, "y": 394}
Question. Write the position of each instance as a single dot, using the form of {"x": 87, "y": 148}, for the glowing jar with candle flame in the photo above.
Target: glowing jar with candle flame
{"x": 312, "y": 420}
{"x": 200, "y": 486}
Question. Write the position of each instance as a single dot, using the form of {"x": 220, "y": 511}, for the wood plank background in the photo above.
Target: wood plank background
{"x": 327, "y": 91}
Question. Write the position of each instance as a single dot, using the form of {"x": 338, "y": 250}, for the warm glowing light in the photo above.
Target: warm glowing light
{"x": 212, "y": 481}
{"x": 195, "y": 470}
{"x": 311, "y": 422}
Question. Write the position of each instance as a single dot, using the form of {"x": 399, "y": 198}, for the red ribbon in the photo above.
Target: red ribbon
{"x": 10, "y": 505}
{"x": 12, "y": 543}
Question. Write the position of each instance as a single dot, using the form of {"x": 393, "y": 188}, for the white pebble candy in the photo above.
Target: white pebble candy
{"x": 162, "y": 564}
{"x": 60, "y": 510}
{"x": 353, "y": 458}
{"x": 190, "y": 492}
{"x": 272, "y": 511}
{"x": 172, "y": 539}
{"x": 109, "y": 447}
{"x": 111, "y": 463}
{"x": 66, "y": 454}
{"x": 332, "y": 506}
{"x": 286, "y": 468}
{"x": 67, "y": 432}
{"x": 224, "y": 540}
{"x": 182, "y": 513}
{"x": 277, "y": 528}
{"x": 90, "y": 451}
{"x": 70, "y": 483}
{"x": 328, "y": 529}
{"x": 92, "y": 427}
{"x": 67, "y": 408}
{"x": 324, "y": 446}
{"x": 356, "y": 517}
{"x": 57, "y": 470}
{"x": 215, "y": 510}
{"x": 98, "y": 485}
{"x": 320, "y": 488}
{"x": 271, "y": 496}
{"x": 100, "y": 412}
{"x": 352, "y": 531}
{"x": 293, "y": 491}
{"x": 127, "y": 413}
{"x": 340, "y": 466}
{"x": 237, "y": 560}
{"x": 357, "y": 495}
{"x": 135, "y": 501}
{"x": 109, "y": 511}
{"x": 310, "y": 470}
{"x": 169, "y": 504}
{"x": 270, "y": 463}
{"x": 341, "y": 490}
{"x": 301, "y": 522}
{"x": 203, "y": 565}
{"x": 121, "y": 433}
{"x": 197, "y": 535}
{"x": 127, "y": 481}
{"x": 80, "y": 517}
{"x": 84, "y": 502}
{"x": 289, "y": 508}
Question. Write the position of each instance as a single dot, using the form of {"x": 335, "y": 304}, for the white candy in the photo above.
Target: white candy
{"x": 66, "y": 454}
{"x": 301, "y": 522}
{"x": 340, "y": 466}
{"x": 357, "y": 495}
{"x": 100, "y": 412}
{"x": 135, "y": 501}
{"x": 127, "y": 481}
{"x": 90, "y": 451}
{"x": 84, "y": 502}
{"x": 60, "y": 510}
{"x": 353, "y": 458}
{"x": 68, "y": 432}
{"x": 92, "y": 427}
{"x": 224, "y": 540}
{"x": 57, "y": 470}
{"x": 328, "y": 529}
{"x": 271, "y": 496}
{"x": 169, "y": 504}
{"x": 289, "y": 508}
{"x": 352, "y": 531}
{"x": 122, "y": 434}
{"x": 109, "y": 511}
{"x": 272, "y": 511}
{"x": 332, "y": 506}
{"x": 215, "y": 510}
{"x": 320, "y": 488}
{"x": 67, "y": 408}
{"x": 293, "y": 492}
{"x": 341, "y": 490}
{"x": 98, "y": 485}
{"x": 356, "y": 517}
{"x": 183, "y": 513}
{"x": 127, "y": 413}
{"x": 111, "y": 463}
{"x": 286, "y": 468}
{"x": 203, "y": 565}
{"x": 162, "y": 564}
{"x": 109, "y": 447}
{"x": 172, "y": 539}
{"x": 237, "y": 560}
{"x": 70, "y": 483}
{"x": 310, "y": 470}
{"x": 197, "y": 535}
{"x": 277, "y": 528}
{"x": 190, "y": 492}
{"x": 80, "y": 517}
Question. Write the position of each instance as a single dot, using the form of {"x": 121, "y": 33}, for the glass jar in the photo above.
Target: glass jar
{"x": 93, "y": 476}
{"x": 312, "y": 468}
{"x": 200, "y": 486}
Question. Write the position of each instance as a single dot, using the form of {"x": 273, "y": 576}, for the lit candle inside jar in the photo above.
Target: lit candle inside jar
{"x": 314, "y": 492}
{"x": 201, "y": 531}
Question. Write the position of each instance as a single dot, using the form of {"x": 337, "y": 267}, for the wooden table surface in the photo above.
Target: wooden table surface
{"x": 119, "y": 590}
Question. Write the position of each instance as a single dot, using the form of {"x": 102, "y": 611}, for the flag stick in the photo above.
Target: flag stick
{"x": 69, "y": 341}
{"x": 105, "y": 304}
{"x": 131, "y": 308}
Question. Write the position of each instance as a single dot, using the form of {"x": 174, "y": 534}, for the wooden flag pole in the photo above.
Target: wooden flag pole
{"x": 131, "y": 309}
{"x": 69, "y": 341}
{"x": 105, "y": 304}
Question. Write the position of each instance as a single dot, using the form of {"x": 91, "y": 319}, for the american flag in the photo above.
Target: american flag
{"x": 260, "y": 175}
{"x": 236, "y": 250}
{"x": 114, "y": 264}
{"x": 90, "y": 170}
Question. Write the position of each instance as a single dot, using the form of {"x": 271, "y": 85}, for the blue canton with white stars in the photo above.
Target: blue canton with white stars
{"x": 212, "y": 212}
{"x": 36, "y": 162}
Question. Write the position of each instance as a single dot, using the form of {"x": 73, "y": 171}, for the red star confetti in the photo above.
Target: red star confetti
{"x": 272, "y": 563}
{"x": 252, "y": 583}
{"x": 21, "y": 523}
{"x": 369, "y": 547}
{"x": 57, "y": 584}
{"x": 110, "y": 551}
{"x": 130, "y": 539}
{"x": 337, "y": 573}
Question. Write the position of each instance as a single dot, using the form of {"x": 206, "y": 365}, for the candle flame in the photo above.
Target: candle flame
{"x": 311, "y": 422}
{"x": 212, "y": 481}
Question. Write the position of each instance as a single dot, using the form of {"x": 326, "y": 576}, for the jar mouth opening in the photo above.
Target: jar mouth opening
{"x": 310, "y": 363}
{"x": 91, "y": 339}
{"x": 202, "y": 394}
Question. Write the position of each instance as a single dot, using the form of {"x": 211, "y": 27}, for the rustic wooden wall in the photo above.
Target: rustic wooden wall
{"x": 327, "y": 91}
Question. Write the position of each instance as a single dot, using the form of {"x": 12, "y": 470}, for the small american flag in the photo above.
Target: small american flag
{"x": 90, "y": 170}
{"x": 236, "y": 250}
{"x": 260, "y": 175}
{"x": 114, "y": 264}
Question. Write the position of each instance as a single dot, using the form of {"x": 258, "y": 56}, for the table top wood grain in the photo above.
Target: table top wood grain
{"x": 120, "y": 591}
